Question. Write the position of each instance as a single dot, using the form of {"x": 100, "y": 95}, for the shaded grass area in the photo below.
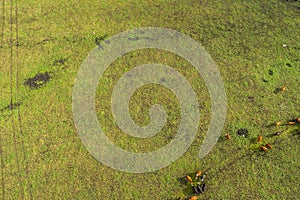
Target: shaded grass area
{"x": 245, "y": 39}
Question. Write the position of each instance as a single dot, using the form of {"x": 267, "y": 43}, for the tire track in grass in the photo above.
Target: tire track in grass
{"x": 21, "y": 186}
{"x": 3, "y": 23}
{"x": 18, "y": 72}
{"x": 1, "y": 148}
{"x": 2, "y": 170}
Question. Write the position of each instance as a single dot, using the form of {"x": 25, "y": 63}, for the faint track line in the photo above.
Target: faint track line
{"x": 11, "y": 103}
{"x": 2, "y": 169}
{"x": 3, "y": 23}
{"x": 1, "y": 146}
{"x": 18, "y": 72}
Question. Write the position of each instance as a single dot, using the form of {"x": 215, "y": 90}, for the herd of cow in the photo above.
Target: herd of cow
{"x": 199, "y": 185}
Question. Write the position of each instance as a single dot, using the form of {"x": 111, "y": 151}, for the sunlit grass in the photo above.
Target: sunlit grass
{"x": 246, "y": 41}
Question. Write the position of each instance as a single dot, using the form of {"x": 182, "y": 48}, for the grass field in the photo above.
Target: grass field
{"x": 256, "y": 45}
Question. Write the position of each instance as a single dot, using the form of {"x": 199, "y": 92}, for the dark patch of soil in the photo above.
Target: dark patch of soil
{"x": 60, "y": 61}
{"x": 293, "y": 120}
{"x": 265, "y": 80}
{"x": 38, "y": 80}
{"x": 288, "y": 64}
{"x": 242, "y": 132}
{"x": 162, "y": 80}
{"x": 98, "y": 39}
{"x": 277, "y": 90}
{"x": 271, "y": 72}
{"x": 251, "y": 98}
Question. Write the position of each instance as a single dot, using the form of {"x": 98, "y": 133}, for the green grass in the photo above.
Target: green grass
{"x": 245, "y": 39}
